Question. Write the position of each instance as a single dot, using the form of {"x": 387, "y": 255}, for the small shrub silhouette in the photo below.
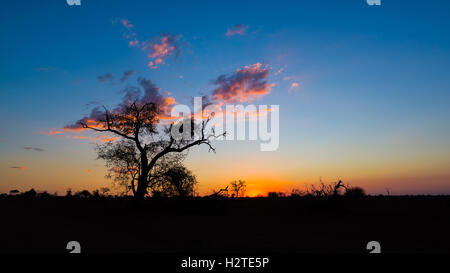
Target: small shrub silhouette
{"x": 355, "y": 192}
{"x": 29, "y": 194}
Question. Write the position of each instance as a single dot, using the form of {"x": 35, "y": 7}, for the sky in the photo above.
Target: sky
{"x": 363, "y": 91}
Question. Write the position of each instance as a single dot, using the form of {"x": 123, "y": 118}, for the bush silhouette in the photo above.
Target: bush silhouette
{"x": 29, "y": 194}
{"x": 355, "y": 192}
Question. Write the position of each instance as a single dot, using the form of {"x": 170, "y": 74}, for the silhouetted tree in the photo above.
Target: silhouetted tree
{"x": 337, "y": 187}
{"x": 123, "y": 160}
{"x": 273, "y": 194}
{"x": 104, "y": 191}
{"x": 220, "y": 193}
{"x": 96, "y": 193}
{"x": 355, "y": 192}
{"x": 238, "y": 188}
{"x": 175, "y": 181}
{"x": 83, "y": 193}
{"x": 44, "y": 194}
{"x": 325, "y": 190}
{"x": 297, "y": 193}
{"x": 13, "y": 192}
{"x": 145, "y": 141}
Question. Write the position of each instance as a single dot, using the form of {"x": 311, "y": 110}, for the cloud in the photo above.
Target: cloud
{"x": 157, "y": 49}
{"x": 106, "y": 77}
{"x": 145, "y": 92}
{"x": 91, "y": 103}
{"x": 79, "y": 137}
{"x": 19, "y": 168}
{"x": 294, "y": 86}
{"x": 127, "y": 74}
{"x": 129, "y": 32}
{"x": 52, "y": 132}
{"x": 279, "y": 71}
{"x": 238, "y": 29}
{"x": 96, "y": 138}
{"x": 245, "y": 84}
{"x": 34, "y": 149}
{"x": 45, "y": 69}
{"x": 126, "y": 24}
{"x": 160, "y": 48}
{"x": 104, "y": 139}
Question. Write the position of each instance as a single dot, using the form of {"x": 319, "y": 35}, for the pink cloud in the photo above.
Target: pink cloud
{"x": 243, "y": 85}
{"x": 129, "y": 32}
{"x": 279, "y": 71}
{"x": 239, "y": 29}
{"x": 52, "y": 132}
{"x": 104, "y": 139}
{"x": 126, "y": 23}
{"x": 160, "y": 48}
{"x": 157, "y": 49}
{"x": 294, "y": 86}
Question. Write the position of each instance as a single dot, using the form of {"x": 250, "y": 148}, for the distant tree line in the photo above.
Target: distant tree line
{"x": 180, "y": 182}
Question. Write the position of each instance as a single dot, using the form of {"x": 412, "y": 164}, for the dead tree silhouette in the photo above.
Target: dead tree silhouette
{"x": 337, "y": 187}
{"x": 326, "y": 190}
{"x": 221, "y": 192}
{"x": 238, "y": 188}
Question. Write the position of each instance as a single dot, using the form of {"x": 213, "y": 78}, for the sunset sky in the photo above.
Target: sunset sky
{"x": 363, "y": 91}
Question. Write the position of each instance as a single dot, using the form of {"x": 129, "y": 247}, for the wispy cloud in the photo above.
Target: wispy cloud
{"x": 129, "y": 32}
{"x": 279, "y": 71}
{"x": 91, "y": 103}
{"x": 294, "y": 85}
{"x": 104, "y": 139}
{"x": 52, "y": 131}
{"x": 96, "y": 138}
{"x": 19, "y": 168}
{"x": 243, "y": 85}
{"x": 78, "y": 137}
{"x": 108, "y": 77}
{"x": 45, "y": 69}
{"x": 238, "y": 29}
{"x": 157, "y": 49}
{"x": 127, "y": 74}
{"x": 33, "y": 148}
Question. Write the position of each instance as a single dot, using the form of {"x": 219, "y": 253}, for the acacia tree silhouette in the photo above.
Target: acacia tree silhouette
{"x": 136, "y": 121}
{"x": 124, "y": 164}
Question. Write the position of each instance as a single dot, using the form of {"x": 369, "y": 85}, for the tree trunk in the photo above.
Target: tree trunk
{"x": 143, "y": 178}
{"x": 141, "y": 188}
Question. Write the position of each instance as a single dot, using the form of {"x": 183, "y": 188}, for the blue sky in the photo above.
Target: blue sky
{"x": 371, "y": 107}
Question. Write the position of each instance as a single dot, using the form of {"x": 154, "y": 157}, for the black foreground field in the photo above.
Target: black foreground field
{"x": 399, "y": 224}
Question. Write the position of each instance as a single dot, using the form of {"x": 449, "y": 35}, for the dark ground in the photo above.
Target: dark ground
{"x": 400, "y": 224}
